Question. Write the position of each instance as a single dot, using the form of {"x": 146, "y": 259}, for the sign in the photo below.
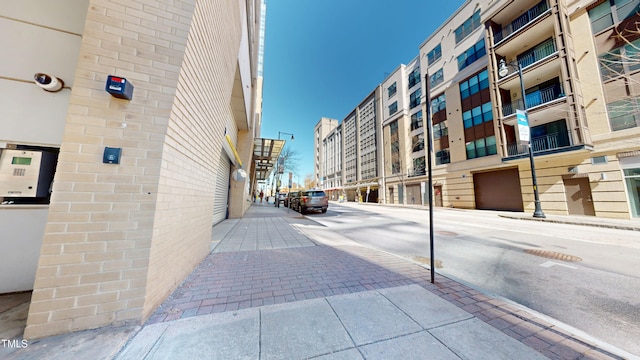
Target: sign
{"x": 523, "y": 127}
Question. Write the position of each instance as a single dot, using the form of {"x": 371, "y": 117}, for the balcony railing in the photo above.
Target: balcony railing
{"x": 521, "y": 21}
{"x": 538, "y": 53}
{"x": 541, "y": 143}
{"x": 535, "y": 98}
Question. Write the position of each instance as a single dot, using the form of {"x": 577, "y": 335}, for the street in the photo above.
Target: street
{"x": 586, "y": 277}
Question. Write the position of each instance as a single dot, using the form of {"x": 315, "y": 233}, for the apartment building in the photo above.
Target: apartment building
{"x": 404, "y": 135}
{"x": 567, "y": 67}
{"x": 351, "y": 162}
{"x": 132, "y": 184}
{"x": 323, "y": 128}
{"x": 479, "y": 161}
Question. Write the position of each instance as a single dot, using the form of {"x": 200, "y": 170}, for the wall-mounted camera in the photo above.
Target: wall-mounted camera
{"x": 48, "y": 82}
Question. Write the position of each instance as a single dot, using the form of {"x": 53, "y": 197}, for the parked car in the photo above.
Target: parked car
{"x": 294, "y": 202}
{"x": 287, "y": 200}
{"x": 313, "y": 200}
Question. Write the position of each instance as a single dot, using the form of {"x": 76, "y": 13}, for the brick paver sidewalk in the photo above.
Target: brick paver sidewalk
{"x": 232, "y": 280}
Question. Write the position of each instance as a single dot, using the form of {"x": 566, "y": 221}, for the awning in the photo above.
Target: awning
{"x": 265, "y": 155}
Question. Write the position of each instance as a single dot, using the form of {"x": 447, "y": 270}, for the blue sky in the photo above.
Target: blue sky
{"x": 322, "y": 57}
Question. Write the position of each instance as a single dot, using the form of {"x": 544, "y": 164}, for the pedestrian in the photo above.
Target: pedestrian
{"x": 261, "y": 196}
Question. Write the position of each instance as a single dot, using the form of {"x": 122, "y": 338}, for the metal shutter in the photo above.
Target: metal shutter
{"x": 221, "y": 193}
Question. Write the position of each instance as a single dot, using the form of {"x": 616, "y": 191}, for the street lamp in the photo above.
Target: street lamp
{"x": 277, "y": 175}
{"x": 280, "y": 132}
{"x": 503, "y": 71}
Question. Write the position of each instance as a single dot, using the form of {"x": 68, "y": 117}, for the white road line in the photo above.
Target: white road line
{"x": 549, "y": 264}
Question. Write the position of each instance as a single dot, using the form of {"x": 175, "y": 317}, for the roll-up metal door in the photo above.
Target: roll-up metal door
{"x": 221, "y": 192}
{"x": 498, "y": 190}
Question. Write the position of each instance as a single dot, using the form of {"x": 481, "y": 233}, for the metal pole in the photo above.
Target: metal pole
{"x": 430, "y": 173}
{"x": 537, "y": 213}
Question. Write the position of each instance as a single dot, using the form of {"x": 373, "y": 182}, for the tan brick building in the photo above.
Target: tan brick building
{"x": 116, "y": 239}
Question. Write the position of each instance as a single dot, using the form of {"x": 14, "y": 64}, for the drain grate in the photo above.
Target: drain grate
{"x": 553, "y": 255}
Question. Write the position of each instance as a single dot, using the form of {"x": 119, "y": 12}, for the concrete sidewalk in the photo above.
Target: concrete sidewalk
{"x": 279, "y": 286}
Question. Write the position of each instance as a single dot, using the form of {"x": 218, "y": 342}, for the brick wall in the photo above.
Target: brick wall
{"x": 120, "y": 238}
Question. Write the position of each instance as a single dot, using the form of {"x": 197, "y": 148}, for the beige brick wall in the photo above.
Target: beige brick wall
{"x": 119, "y": 238}
{"x": 193, "y": 146}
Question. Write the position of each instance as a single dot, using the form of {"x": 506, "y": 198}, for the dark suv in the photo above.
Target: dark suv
{"x": 312, "y": 200}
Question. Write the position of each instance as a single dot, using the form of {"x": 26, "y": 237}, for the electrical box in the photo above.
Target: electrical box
{"x": 26, "y": 173}
{"x": 119, "y": 87}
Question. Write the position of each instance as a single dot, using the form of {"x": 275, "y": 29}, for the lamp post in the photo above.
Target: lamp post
{"x": 278, "y": 173}
{"x": 502, "y": 72}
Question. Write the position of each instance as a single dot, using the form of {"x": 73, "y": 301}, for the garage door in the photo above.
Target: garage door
{"x": 498, "y": 190}
{"x": 222, "y": 190}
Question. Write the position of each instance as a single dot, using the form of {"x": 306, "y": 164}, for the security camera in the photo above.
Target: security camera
{"x": 48, "y": 82}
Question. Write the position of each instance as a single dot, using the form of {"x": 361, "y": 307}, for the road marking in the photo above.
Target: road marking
{"x": 549, "y": 264}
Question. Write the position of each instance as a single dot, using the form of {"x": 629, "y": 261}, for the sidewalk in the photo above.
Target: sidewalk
{"x": 279, "y": 286}
{"x": 622, "y": 224}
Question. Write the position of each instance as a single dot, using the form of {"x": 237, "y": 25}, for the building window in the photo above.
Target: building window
{"x": 434, "y": 55}
{"x": 472, "y": 54}
{"x": 395, "y": 147}
{"x": 468, "y": 26}
{"x": 482, "y": 147}
{"x": 632, "y": 180}
{"x": 416, "y": 120}
{"x": 624, "y": 114}
{"x": 438, "y": 104}
{"x": 436, "y": 78}
{"x": 442, "y": 157}
{"x": 414, "y": 98}
{"x": 474, "y": 84}
{"x": 392, "y": 89}
{"x": 440, "y": 129}
{"x": 414, "y": 78}
{"x": 611, "y": 12}
{"x": 393, "y": 108}
{"x": 417, "y": 142}
{"x": 419, "y": 167}
{"x": 477, "y": 115}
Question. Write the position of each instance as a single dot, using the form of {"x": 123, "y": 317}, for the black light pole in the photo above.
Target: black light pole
{"x": 503, "y": 71}
{"x": 278, "y": 173}
{"x": 429, "y": 173}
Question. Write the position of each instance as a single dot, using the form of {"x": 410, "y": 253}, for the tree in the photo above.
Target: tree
{"x": 309, "y": 181}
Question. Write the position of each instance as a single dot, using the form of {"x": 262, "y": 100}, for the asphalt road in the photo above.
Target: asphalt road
{"x": 589, "y": 279}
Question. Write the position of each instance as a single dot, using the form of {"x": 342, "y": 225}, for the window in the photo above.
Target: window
{"x": 416, "y": 120}
{"x": 477, "y": 115}
{"x": 392, "y": 89}
{"x": 419, "y": 167}
{"x": 434, "y": 55}
{"x": 482, "y": 147}
{"x": 440, "y": 130}
{"x": 471, "y": 55}
{"x": 468, "y": 26}
{"x": 414, "y": 98}
{"x": 611, "y": 12}
{"x": 442, "y": 157}
{"x": 436, "y": 78}
{"x": 417, "y": 142}
{"x": 393, "y": 108}
{"x": 395, "y": 147}
{"x": 623, "y": 114}
{"x": 414, "y": 78}
{"x": 474, "y": 84}
{"x": 438, "y": 104}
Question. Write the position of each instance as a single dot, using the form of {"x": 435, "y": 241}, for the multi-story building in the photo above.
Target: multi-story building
{"x": 353, "y": 147}
{"x": 323, "y": 128}
{"x": 578, "y": 94}
{"x": 403, "y": 129}
{"x": 485, "y": 166}
{"x": 132, "y": 186}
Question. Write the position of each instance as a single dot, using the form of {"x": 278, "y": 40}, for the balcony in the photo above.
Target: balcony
{"x": 535, "y": 98}
{"x": 526, "y": 18}
{"x": 538, "y": 53}
{"x": 540, "y": 144}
